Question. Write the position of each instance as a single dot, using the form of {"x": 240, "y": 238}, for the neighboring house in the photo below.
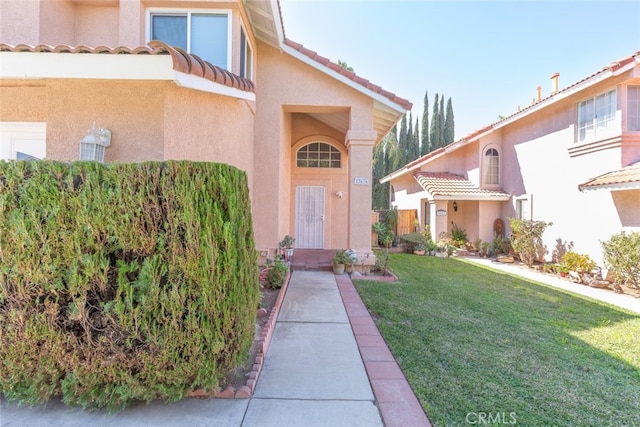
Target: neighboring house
{"x": 208, "y": 81}
{"x": 572, "y": 158}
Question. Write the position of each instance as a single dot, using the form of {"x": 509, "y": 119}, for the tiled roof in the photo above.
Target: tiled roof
{"x": 445, "y": 185}
{"x": 407, "y": 105}
{"x": 612, "y": 67}
{"x": 627, "y": 177}
{"x": 182, "y": 61}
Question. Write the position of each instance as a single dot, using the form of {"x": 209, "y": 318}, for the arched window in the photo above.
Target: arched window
{"x": 318, "y": 155}
{"x": 491, "y": 167}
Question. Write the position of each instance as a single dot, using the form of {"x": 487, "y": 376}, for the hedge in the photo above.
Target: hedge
{"x": 123, "y": 282}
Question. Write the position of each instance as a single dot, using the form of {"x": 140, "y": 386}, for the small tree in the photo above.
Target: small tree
{"x": 622, "y": 255}
{"x": 526, "y": 239}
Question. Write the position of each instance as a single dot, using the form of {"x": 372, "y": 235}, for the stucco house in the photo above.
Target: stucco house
{"x": 137, "y": 80}
{"x": 571, "y": 158}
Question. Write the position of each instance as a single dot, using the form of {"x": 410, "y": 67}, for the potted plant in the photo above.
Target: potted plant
{"x": 420, "y": 249}
{"x": 286, "y": 246}
{"x": 340, "y": 261}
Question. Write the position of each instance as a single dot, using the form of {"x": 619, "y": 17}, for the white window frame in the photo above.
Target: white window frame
{"x": 595, "y": 127}
{"x": 633, "y": 114}
{"x": 188, "y": 12}
{"x": 13, "y": 135}
{"x": 485, "y": 167}
{"x": 246, "y": 71}
{"x": 523, "y": 206}
{"x": 331, "y": 150}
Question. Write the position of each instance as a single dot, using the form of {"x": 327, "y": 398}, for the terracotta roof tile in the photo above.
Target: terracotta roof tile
{"x": 182, "y": 61}
{"x": 627, "y": 177}
{"x": 407, "y": 105}
{"x": 616, "y": 65}
{"x": 448, "y": 185}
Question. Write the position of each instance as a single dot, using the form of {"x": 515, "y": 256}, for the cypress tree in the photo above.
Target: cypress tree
{"x": 434, "y": 134}
{"x": 449, "y": 128}
{"x": 402, "y": 141}
{"x": 424, "y": 143}
{"x": 409, "y": 141}
{"x": 441, "y": 121}
{"x": 415, "y": 145}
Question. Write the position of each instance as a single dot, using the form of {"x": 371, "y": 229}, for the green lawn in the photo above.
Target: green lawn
{"x": 471, "y": 339}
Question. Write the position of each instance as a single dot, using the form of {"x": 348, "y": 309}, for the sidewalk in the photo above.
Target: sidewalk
{"x": 620, "y": 300}
{"x": 327, "y": 365}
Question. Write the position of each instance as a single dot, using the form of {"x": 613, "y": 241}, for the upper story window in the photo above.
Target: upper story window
{"x": 633, "y": 108}
{"x": 318, "y": 155}
{"x": 597, "y": 116}
{"x": 246, "y": 57}
{"x": 205, "y": 34}
{"x": 491, "y": 166}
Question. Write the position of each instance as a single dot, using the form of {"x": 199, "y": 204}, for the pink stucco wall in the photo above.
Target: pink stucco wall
{"x": 539, "y": 162}
{"x": 294, "y": 87}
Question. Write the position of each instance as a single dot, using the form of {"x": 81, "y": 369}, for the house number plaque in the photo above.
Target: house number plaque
{"x": 361, "y": 181}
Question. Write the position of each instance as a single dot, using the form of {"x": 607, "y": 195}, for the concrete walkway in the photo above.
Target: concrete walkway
{"x": 628, "y": 302}
{"x": 324, "y": 357}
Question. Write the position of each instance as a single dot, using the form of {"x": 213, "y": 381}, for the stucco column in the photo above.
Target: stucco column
{"x": 360, "y": 146}
{"x": 441, "y": 222}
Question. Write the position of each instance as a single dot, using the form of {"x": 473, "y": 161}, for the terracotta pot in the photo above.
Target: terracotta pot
{"x": 338, "y": 268}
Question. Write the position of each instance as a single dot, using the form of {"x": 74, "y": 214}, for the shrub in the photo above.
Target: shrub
{"x": 413, "y": 240}
{"x": 458, "y": 236}
{"x": 622, "y": 255}
{"x": 385, "y": 233}
{"x": 577, "y": 262}
{"x": 500, "y": 245}
{"x": 526, "y": 239}
{"x": 123, "y": 282}
{"x": 276, "y": 272}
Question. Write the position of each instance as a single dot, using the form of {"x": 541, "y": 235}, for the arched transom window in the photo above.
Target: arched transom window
{"x": 318, "y": 155}
{"x": 492, "y": 166}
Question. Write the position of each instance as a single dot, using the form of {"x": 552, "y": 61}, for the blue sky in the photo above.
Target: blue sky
{"x": 489, "y": 57}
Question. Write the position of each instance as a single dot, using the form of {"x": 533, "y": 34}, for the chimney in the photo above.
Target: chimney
{"x": 538, "y": 93}
{"x": 554, "y": 83}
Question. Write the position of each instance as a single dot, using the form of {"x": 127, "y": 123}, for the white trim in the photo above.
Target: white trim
{"x": 36, "y": 65}
{"x": 342, "y": 79}
{"x": 200, "y": 83}
{"x": 41, "y": 65}
{"x": 613, "y": 187}
{"x": 12, "y": 133}
{"x": 189, "y": 12}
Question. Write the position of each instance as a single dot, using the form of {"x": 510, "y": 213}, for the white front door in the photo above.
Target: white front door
{"x": 310, "y": 217}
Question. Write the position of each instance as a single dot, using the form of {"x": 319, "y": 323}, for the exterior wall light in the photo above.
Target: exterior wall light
{"x": 339, "y": 194}
{"x": 455, "y": 206}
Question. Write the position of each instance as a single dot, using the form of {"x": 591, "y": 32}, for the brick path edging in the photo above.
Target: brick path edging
{"x": 397, "y": 403}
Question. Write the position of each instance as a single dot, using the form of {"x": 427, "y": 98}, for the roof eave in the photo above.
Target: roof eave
{"x": 610, "y": 187}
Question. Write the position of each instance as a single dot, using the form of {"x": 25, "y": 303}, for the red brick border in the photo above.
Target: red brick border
{"x": 396, "y": 400}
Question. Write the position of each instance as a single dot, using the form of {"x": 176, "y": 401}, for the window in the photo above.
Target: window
{"x": 203, "y": 34}
{"x": 23, "y": 140}
{"x": 492, "y": 167}
{"x": 318, "y": 155}
{"x": 596, "y": 116}
{"x": 523, "y": 208}
{"x": 246, "y": 56}
{"x": 633, "y": 108}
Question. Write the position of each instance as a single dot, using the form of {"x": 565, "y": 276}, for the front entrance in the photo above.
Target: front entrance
{"x": 310, "y": 217}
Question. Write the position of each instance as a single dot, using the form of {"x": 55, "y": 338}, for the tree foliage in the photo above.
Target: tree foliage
{"x": 526, "y": 239}
{"x": 123, "y": 282}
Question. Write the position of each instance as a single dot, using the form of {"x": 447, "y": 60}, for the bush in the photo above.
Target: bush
{"x": 123, "y": 282}
{"x": 572, "y": 261}
{"x": 622, "y": 255}
{"x": 526, "y": 239}
{"x": 458, "y": 236}
{"x": 413, "y": 240}
{"x": 276, "y": 272}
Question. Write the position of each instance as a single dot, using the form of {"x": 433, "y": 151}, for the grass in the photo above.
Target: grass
{"x": 471, "y": 339}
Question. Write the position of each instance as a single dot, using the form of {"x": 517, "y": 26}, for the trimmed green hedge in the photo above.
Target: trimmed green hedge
{"x": 121, "y": 282}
